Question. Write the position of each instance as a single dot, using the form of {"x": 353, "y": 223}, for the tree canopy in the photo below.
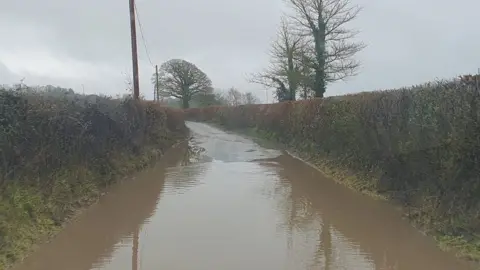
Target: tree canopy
{"x": 183, "y": 80}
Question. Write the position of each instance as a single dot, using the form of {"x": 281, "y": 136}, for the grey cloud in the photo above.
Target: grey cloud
{"x": 88, "y": 86}
{"x": 411, "y": 42}
{"x": 408, "y": 41}
{"x": 7, "y": 76}
{"x": 99, "y": 30}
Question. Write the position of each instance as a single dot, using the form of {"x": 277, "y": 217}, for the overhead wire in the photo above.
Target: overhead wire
{"x": 143, "y": 36}
{"x": 144, "y": 41}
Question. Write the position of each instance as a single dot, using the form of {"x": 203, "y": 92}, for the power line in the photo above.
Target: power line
{"x": 143, "y": 36}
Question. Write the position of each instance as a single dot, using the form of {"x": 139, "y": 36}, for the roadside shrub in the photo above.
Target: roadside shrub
{"x": 40, "y": 134}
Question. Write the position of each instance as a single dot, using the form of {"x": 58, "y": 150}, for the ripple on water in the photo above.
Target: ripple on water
{"x": 179, "y": 180}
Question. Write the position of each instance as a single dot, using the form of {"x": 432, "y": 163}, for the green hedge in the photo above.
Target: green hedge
{"x": 59, "y": 150}
{"x": 419, "y": 146}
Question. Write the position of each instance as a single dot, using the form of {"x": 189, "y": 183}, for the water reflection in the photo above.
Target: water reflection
{"x": 324, "y": 246}
{"x": 308, "y": 234}
{"x": 348, "y": 230}
{"x": 193, "y": 165}
{"x": 91, "y": 240}
{"x": 135, "y": 249}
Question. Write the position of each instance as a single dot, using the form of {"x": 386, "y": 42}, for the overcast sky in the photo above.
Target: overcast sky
{"x": 74, "y": 43}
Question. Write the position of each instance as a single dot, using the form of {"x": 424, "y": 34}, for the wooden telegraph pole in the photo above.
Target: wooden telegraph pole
{"x": 157, "y": 96}
{"x": 133, "y": 34}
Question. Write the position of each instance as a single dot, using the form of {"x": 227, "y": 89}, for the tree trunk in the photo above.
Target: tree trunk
{"x": 320, "y": 86}
{"x": 293, "y": 94}
{"x": 320, "y": 48}
{"x": 292, "y": 84}
{"x": 185, "y": 103}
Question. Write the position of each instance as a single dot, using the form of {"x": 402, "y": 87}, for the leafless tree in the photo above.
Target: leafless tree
{"x": 285, "y": 70}
{"x": 183, "y": 80}
{"x": 331, "y": 48}
{"x": 128, "y": 84}
{"x": 249, "y": 98}
{"x": 234, "y": 97}
{"x": 129, "y": 87}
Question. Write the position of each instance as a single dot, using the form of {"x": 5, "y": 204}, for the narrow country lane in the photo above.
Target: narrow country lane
{"x": 226, "y": 203}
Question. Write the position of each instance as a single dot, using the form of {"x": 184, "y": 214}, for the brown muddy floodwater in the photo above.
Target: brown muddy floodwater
{"x": 237, "y": 206}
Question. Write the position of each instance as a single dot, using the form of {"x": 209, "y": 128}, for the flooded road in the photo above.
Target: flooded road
{"x": 237, "y": 206}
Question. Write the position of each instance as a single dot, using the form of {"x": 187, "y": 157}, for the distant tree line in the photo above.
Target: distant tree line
{"x": 184, "y": 85}
{"x": 231, "y": 97}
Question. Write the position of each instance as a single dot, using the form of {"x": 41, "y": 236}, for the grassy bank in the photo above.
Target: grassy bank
{"x": 417, "y": 146}
{"x": 60, "y": 151}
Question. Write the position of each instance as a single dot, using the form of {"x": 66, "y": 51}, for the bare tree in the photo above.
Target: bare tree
{"x": 128, "y": 84}
{"x": 221, "y": 98}
{"x": 331, "y": 48}
{"x": 128, "y": 80}
{"x": 284, "y": 72}
{"x": 234, "y": 97}
{"x": 183, "y": 80}
{"x": 249, "y": 98}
